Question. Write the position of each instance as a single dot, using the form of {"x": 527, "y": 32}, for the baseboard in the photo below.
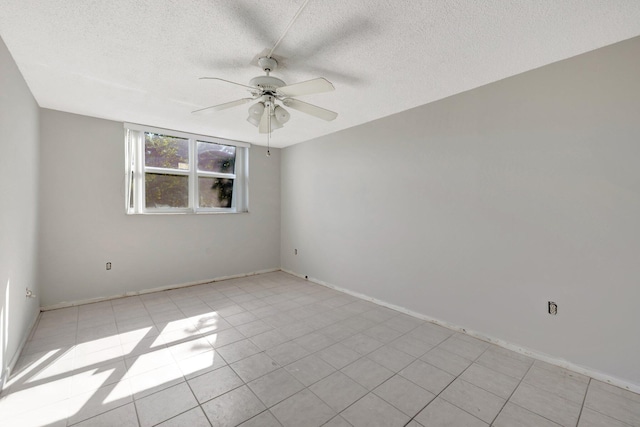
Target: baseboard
{"x": 6, "y": 374}
{"x": 600, "y": 376}
{"x": 148, "y": 291}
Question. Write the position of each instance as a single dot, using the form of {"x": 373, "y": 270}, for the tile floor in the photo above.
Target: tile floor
{"x": 274, "y": 350}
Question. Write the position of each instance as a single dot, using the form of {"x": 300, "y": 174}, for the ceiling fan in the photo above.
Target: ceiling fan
{"x": 267, "y": 114}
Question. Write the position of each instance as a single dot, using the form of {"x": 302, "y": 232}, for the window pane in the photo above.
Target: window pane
{"x": 215, "y": 192}
{"x": 166, "y": 191}
{"x": 131, "y": 184}
{"x": 164, "y": 151}
{"x": 216, "y": 157}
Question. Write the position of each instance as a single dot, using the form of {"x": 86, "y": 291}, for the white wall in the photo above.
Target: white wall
{"x": 480, "y": 208}
{"x": 84, "y": 225}
{"x": 18, "y": 211}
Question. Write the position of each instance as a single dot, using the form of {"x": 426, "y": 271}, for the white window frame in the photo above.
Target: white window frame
{"x": 135, "y": 171}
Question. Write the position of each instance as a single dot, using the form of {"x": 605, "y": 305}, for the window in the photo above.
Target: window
{"x": 175, "y": 172}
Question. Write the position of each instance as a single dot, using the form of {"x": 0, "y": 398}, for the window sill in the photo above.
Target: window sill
{"x": 187, "y": 213}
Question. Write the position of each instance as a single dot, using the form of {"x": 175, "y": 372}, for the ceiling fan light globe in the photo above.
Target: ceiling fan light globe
{"x": 253, "y": 120}
{"x": 281, "y": 114}
{"x": 256, "y": 110}
{"x": 275, "y": 123}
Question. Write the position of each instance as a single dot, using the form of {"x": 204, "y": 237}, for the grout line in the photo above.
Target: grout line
{"x": 513, "y": 392}
{"x": 447, "y": 386}
{"x": 584, "y": 399}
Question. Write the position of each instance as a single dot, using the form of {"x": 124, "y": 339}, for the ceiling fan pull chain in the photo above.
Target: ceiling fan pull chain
{"x": 288, "y": 28}
{"x": 269, "y": 135}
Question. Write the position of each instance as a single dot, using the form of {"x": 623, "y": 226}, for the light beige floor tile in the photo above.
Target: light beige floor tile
{"x": 361, "y": 343}
{"x": 263, "y": 419}
{"x": 302, "y": 409}
{"x": 404, "y": 395}
{"x": 601, "y": 386}
{"x": 222, "y": 338}
{"x": 253, "y": 328}
{"x": 135, "y": 347}
{"x": 338, "y": 391}
{"x": 591, "y": 418}
{"x": 92, "y": 378}
{"x": 152, "y": 381}
{"x": 367, "y": 373}
{"x": 148, "y": 362}
{"x": 124, "y": 416}
{"x": 447, "y": 361}
{"x": 165, "y": 404}
{"x": 233, "y": 408}
{"x": 390, "y": 358}
{"x": 189, "y": 348}
{"x": 561, "y": 371}
{"x": 427, "y": 376}
{"x": 476, "y": 401}
{"x": 287, "y": 353}
{"x": 23, "y": 397}
{"x": 549, "y": 406}
{"x": 295, "y": 330}
{"x": 240, "y": 318}
{"x": 441, "y": 413}
{"x": 409, "y": 345}
{"x": 254, "y": 367}
{"x": 238, "y": 351}
{"x": 269, "y": 339}
{"x": 516, "y": 416}
{"x": 339, "y": 355}
{"x": 430, "y": 333}
{"x": 337, "y": 421}
{"x": 213, "y": 384}
{"x": 96, "y": 402}
{"x": 192, "y": 418}
{"x": 96, "y": 332}
{"x": 469, "y": 347}
{"x": 337, "y": 332}
{"x": 558, "y": 383}
{"x": 382, "y": 333}
{"x": 200, "y": 364}
{"x": 499, "y": 384}
{"x": 314, "y": 341}
{"x": 372, "y": 411}
{"x": 275, "y": 386}
{"x": 403, "y": 323}
{"x": 504, "y": 364}
{"x": 53, "y": 415}
{"x": 614, "y": 405}
{"x": 310, "y": 369}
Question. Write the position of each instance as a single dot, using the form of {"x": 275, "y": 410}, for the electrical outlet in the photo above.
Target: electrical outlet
{"x": 108, "y": 266}
{"x": 553, "y": 308}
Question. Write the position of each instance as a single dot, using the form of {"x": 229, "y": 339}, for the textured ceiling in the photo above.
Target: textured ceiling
{"x": 139, "y": 61}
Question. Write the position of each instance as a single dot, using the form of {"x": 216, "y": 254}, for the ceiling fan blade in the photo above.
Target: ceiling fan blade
{"x": 318, "y": 85}
{"x": 225, "y": 105}
{"x": 264, "y": 121}
{"x": 311, "y": 109}
{"x": 228, "y": 81}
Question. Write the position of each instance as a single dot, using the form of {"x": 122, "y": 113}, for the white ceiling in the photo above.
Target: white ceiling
{"x": 139, "y": 60}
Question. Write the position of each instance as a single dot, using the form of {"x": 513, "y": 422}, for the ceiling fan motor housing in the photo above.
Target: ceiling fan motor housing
{"x": 267, "y": 64}
{"x": 267, "y": 83}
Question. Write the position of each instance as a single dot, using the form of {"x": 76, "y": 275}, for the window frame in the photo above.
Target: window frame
{"x": 136, "y": 171}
